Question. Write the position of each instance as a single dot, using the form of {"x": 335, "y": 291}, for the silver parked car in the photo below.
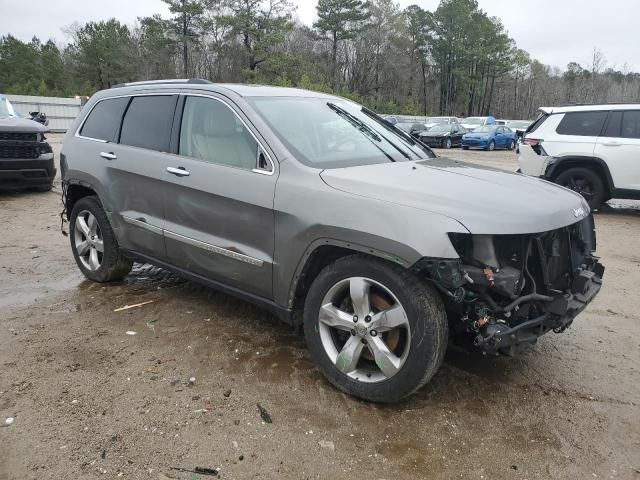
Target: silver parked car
{"x": 319, "y": 210}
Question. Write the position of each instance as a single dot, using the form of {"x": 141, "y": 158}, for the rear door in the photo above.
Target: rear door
{"x": 619, "y": 147}
{"x": 572, "y": 133}
{"x": 136, "y": 169}
{"x": 219, "y": 220}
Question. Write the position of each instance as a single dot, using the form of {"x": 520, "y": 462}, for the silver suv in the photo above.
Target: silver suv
{"x": 317, "y": 209}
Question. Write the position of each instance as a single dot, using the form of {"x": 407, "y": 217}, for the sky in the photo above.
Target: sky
{"x": 555, "y": 32}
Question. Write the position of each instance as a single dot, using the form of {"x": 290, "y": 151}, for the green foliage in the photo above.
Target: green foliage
{"x": 455, "y": 60}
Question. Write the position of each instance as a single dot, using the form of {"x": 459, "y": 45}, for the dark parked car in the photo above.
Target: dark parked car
{"x": 413, "y": 129}
{"x": 443, "y": 135}
{"x": 490, "y": 137}
{"x": 26, "y": 159}
{"x": 317, "y": 209}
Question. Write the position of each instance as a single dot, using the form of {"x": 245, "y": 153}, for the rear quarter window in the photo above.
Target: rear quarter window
{"x": 586, "y": 124}
{"x": 104, "y": 119}
{"x": 148, "y": 121}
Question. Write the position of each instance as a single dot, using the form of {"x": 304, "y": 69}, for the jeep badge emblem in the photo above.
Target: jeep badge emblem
{"x": 579, "y": 212}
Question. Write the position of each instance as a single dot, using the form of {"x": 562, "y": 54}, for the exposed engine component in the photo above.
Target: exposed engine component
{"x": 507, "y": 290}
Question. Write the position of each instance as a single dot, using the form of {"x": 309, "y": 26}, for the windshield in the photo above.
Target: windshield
{"x": 6, "y": 110}
{"x": 440, "y": 128}
{"x": 519, "y": 124}
{"x": 485, "y": 129}
{"x": 336, "y": 133}
{"x": 473, "y": 121}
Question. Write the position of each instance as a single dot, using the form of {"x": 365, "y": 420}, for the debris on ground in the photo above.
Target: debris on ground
{"x": 227, "y": 393}
{"x": 212, "y": 472}
{"x": 192, "y": 380}
{"x": 131, "y": 333}
{"x": 266, "y": 418}
{"x": 327, "y": 444}
{"x": 8, "y": 421}
{"x": 136, "y": 305}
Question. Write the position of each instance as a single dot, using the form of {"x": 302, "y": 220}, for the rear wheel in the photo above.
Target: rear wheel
{"x": 94, "y": 244}
{"x": 586, "y": 182}
{"x": 375, "y": 330}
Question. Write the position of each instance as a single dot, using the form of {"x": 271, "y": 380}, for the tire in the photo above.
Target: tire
{"x": 512, "y": 145}
{"x": 492, "y": 146}
{"x": 586, "y": 182}
{"x": 92, "y": 235}
{"x": 418, "y": 345}
{"x": 447, "y": 143}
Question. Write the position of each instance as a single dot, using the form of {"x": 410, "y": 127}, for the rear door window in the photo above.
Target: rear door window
{"x": 104, "y": 120}
{"x": 586, "y": 124}
{"x": 147, "y": 122}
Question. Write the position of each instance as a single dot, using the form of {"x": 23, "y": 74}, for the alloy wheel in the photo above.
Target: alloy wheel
{"x": 581, "y": 185}
{"x": 364, "y": 329}
{"x": 88, "y": 240}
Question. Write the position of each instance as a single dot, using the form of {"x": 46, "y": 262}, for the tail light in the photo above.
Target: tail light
{"x": 536, "y": 145}
{"x": 534, "y": 142}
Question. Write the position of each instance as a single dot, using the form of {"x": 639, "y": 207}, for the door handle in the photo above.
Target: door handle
{"x": 611, "y": 144}
{"x": 179, "y": 171}
{"x": 108, "y": 155}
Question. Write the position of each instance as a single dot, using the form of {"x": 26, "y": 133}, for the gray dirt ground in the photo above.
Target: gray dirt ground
{"x": 90, "y": 401}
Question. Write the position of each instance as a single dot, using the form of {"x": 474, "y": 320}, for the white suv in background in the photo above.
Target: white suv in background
{"x": 591, "y": 149}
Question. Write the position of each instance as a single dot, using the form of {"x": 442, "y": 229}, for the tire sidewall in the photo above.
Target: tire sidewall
{"x": 594, "y": 179}
{"x": 425, "y": 335}
{"x": 492, "y": 146}
{"x": 110, "y": 254}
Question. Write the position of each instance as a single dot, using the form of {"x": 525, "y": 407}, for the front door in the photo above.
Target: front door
{"x": 219, "y": 220}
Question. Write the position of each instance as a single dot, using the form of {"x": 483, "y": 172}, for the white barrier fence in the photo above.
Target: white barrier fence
{"x": 61, "y": 112}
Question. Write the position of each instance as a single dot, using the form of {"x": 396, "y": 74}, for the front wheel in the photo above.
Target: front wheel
{"x": 375, "y": 330}
{"x": 447, "y": 143}
{"x": 512, "y": 144}
{"x": 586, "y": 182}
{"x": 492, "y": 146}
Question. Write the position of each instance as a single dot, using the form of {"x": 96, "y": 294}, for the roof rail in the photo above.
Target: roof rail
{"x": 164, "y": 82}
{"x": 596, "y": 104}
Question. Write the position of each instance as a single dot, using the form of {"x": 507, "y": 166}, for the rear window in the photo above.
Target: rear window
{"x": 586, "y": 124}
{"x": 537, "y": 122}
{"x": 148, "y": 121}
{"x": 104, "y": 120}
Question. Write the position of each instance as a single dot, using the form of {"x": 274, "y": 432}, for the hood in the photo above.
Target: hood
{"x": 434, "y": 134}
{"x": 484, "y": 200}
{"x": 17, "y": 124}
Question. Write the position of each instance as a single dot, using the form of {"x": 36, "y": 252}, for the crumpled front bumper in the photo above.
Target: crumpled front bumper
{"x": 502, "y": 338}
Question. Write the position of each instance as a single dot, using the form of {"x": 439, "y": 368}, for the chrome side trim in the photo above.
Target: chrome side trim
{"x": 215, "y": 249}
{"x": 142, "y": 224}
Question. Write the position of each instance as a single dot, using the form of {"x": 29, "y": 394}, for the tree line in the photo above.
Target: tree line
{"x": 456, "y": 60}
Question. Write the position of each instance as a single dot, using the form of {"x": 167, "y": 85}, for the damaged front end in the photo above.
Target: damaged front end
{"x": 505, "y": 291}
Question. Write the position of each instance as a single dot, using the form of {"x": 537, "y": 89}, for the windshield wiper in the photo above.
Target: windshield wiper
{"x": 362, "y": 127}
{"x": 377, "y": 119}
